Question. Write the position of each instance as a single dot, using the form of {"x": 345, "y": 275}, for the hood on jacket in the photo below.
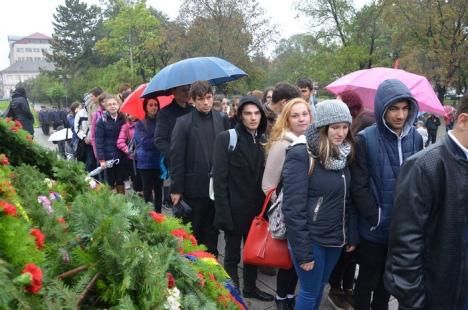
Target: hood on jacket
{"x": 252, "y": 100}
{"x": 19, "y": 92}
{"x": 389, "y": 92}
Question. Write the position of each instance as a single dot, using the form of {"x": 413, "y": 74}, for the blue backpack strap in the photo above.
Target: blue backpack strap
{"x": 372, "y": 149}
{"x": 232, "y": 140}
{"x": 372, "y": 144}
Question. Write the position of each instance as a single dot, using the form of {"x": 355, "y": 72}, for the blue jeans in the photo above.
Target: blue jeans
{"x": 313, "y": 282}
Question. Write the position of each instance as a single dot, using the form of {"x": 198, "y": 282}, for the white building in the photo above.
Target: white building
{"x": 27, "y": 57}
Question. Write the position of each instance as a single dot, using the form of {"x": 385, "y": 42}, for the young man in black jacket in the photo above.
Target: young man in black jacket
{"x": 238, "y": 171}
{"x": 191, "y": 160}
{"x": 427, "y": 264}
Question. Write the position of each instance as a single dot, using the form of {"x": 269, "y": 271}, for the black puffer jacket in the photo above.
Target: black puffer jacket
{"x": 19, "y": 110}
{"x": 107, "y": 133}
{"x": 427, "y": 264}
{"x": 316, "y": 208}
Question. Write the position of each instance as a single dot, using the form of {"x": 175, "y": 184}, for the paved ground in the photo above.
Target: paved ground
{"x": 264, "y": 282}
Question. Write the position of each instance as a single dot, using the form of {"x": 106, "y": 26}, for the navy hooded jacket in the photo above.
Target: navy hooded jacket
{"x": 379, "y": 154}
{"x": 107, "y": 133}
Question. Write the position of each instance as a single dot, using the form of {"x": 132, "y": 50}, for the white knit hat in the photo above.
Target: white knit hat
{"x": 332, "y": 111}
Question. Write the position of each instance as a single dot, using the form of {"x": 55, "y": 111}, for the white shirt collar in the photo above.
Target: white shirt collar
{"x": 452, "y": 136}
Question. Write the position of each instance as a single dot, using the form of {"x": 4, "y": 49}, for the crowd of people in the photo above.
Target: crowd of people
{"x": 356, "y": 187}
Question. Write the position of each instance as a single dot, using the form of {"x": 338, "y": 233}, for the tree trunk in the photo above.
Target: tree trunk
{"x": 441, "y": 90}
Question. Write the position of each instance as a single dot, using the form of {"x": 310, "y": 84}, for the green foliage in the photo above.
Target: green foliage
{"x": 133, "y": 35}
{"x": 21, "y": 151}
{"x": 17, "y": 244}
{"x": 76, "y": 29}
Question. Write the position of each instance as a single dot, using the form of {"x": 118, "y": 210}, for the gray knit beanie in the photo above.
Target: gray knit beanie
{"x": 332, "y": 111}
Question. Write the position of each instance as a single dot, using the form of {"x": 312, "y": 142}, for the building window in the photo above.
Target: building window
{"x": 20, "y": 50}
{"x": 36, "y": 50}
{"x": 28, "y": 49}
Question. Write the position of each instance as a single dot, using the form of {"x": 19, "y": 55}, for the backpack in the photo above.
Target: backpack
{"x": 231, "y": 147}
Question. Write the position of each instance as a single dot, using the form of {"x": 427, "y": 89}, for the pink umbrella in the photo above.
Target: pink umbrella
{"x": 365, "y": 83}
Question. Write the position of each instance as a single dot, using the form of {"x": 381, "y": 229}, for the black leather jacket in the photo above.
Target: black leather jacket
{"x": 427, "y": 264}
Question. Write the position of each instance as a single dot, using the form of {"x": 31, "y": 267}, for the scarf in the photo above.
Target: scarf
{"x": 333, "y": 162}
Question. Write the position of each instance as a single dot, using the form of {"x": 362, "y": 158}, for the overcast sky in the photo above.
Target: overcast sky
{"x": 24, "y": 17}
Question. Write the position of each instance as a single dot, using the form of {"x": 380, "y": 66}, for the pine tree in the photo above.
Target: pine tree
{"x": 77, "y": 27}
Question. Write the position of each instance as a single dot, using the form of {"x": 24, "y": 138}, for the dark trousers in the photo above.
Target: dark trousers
{"x": 89, "y": 160}
{"x": 115, "y": 176}
{"x": 286, "y": 282}
{"x": 203, "y": 212}
{"x": 342, "y": 276}
{"x": 371, "y": 259}
{"x": 134, "y": 175}
{"x": 152, "y": 187}
{"x": 45, "y": 128}
{"x": 232, "y": 257}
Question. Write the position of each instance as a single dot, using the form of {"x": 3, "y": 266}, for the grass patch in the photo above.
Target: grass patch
{"x": 4, "y": 104}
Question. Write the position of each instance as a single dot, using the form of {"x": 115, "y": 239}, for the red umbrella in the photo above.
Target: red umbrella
{"x": 133, "y": 105}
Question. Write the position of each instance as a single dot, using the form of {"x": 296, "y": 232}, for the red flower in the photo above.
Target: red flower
{"x": 14, "y": 129}
{"x": 192, "y": 239}
{"x": 201, "y": 254}
{"x": 170, "y": 280}
{"x": 157, "y": 217}
{"x": 18, "y": 124}
{"x": 211, "y": 276}
{"x": 179, "y": 233}
{"x": 8, "y": 209}
{"x": 29, "y": 138}
{"x": 61, "y": 220}
{"x": 35, "y": 283}
{"x": 39, "y": 236}
{"x": 4, "y": 160}
{"x": 224, "y": 300}
{"x": 183, "y": 234}
{"x": 202, "y": 279}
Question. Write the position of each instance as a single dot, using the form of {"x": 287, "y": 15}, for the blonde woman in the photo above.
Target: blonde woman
{"x": 291, "y": 124}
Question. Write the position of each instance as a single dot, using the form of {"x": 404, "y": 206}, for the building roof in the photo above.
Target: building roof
{"x": 27, "y": 39}
{"x": 28, "y": 67}
{"x": 37, "y": 35}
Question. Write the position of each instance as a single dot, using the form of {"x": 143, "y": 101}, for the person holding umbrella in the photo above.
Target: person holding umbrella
{"x": 192, "y": 144}
{"x": 167, "y": 117}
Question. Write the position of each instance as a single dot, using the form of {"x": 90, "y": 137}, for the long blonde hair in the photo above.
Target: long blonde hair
{"x": 282, "y": 125}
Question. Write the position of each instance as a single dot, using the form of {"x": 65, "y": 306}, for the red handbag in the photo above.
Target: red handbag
{"x": 260, "y": 248}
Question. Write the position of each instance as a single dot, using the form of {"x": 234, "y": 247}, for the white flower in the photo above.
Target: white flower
{"x": 50, "y": 183}
{"x": 173, "y": 299}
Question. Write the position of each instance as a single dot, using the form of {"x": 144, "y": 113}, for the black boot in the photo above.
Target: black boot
{"x": 283, "y": 304}
{"x": 258, "y": 294}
